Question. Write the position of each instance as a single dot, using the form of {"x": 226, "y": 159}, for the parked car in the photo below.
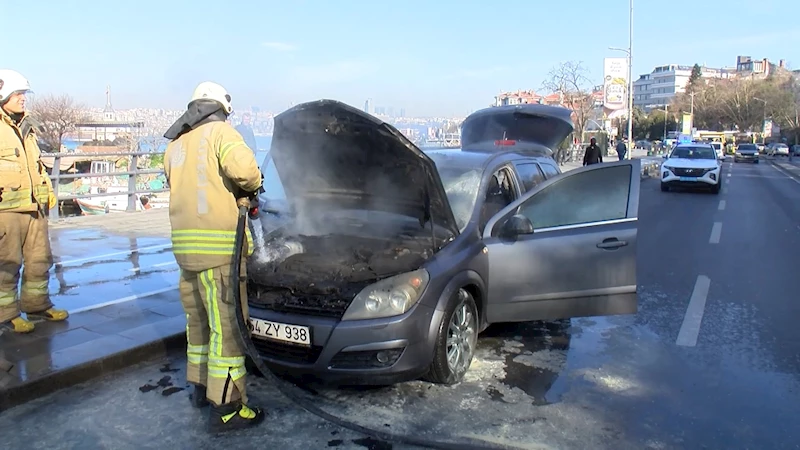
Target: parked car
{"x": 693, "y": 166}
{"x": 392, "y": 260}
{"x": 746, "y": 152}
{"x": 796, "y": 150}
{"x": 778, "y": 149}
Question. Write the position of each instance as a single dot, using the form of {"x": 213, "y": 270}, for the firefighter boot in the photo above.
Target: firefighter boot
{"x": 18, "y": 325}
{"x": 51, "y": 314}
{"x": 198, "y": 397}
{"x": 234, "y": 416}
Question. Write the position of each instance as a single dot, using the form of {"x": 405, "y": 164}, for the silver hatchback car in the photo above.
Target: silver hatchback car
{"x": 376, "y": 262}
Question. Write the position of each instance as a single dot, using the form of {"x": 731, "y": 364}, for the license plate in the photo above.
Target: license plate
{"x": 281, "y": 331}
{"x": 688, "y": 178}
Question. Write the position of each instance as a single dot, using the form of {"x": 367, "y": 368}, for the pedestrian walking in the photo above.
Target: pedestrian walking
{"x": 208, "y": 167}
{"x": 26, "y": 194}
{"x": 622, "y": 149}
{"x": 593, "y": 155}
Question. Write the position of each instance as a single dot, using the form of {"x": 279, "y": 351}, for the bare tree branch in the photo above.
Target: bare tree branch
{"x": 58, "y": 116}
{"x": 571, "y": 81}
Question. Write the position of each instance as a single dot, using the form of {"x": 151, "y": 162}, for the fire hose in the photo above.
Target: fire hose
{"x": 247, "y": 344}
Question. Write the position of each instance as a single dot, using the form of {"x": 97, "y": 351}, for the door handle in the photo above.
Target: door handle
{"x": 611, "y": 244}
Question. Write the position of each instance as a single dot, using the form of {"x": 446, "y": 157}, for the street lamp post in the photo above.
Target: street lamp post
{"x": 629, "y": 52}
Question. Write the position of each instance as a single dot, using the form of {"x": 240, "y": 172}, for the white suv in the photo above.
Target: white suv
{"x": 692, "y": 165}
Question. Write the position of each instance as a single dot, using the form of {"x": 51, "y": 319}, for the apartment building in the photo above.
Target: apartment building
{"x": 659, "y": 87}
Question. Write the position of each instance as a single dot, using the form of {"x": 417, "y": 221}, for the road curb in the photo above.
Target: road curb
{"x": 80, "y": 373}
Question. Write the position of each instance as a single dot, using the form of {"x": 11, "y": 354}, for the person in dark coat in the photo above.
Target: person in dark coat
{"x": 593, "y": 155}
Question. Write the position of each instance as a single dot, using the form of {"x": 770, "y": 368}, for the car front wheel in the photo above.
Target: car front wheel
{"x": 455, "y": 341}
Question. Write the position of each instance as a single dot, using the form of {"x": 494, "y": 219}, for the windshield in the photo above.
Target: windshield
{"x": 694, "y": 153}
{"x": 461, "y": 186}
{"x": 747, "y": 147}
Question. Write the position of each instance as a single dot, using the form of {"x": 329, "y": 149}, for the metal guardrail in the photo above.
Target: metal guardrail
{"x": 56, "y": 176}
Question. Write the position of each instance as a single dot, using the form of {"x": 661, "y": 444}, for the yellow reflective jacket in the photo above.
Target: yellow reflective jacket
{"x": 23, "y": 178}
{"x": 206, "y": 169}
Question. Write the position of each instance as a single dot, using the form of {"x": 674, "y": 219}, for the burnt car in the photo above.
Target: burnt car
{"x": 376, "y": 262}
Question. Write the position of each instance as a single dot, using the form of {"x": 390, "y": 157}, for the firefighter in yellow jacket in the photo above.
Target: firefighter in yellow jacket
{"x": 208, "y": 166}
{"x": 25, "y": 194}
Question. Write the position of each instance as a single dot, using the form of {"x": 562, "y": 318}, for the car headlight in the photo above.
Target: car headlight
{"x": 666, "y": 167}
{"x": 389, "y": 297}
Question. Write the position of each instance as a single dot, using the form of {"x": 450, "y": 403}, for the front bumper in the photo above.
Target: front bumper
{"x": 745, "y": 157}
{"x": 682, "y": 178}
{"x": 378, "y": 351}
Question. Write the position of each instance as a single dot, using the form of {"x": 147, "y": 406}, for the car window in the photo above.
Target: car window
{"x": 500, "y": 192}
{"x": 550, "y": 170}
{"x": 530, "y": 174}
{"x": 585, "y": 197}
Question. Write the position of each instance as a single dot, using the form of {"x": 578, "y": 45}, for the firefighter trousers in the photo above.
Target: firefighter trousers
{"x": 24, "y": 239}
{"x": 214, "y": 354}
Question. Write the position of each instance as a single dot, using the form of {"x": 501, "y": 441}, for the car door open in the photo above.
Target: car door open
{"x": 567, "y": 248}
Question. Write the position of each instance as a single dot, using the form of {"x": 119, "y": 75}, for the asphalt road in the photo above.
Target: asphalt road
{"x": 712, "y": 359}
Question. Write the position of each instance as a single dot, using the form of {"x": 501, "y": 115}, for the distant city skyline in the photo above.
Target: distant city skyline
{"x": 443, "y": 58}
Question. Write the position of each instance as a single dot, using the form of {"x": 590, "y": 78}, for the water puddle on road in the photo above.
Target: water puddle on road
{"x": 517, "y": 370}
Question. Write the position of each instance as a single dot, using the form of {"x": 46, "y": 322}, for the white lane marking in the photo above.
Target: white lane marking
{"x": 125, "y": 252}
{"x": 690, "y": 329}
{"x": 785, "y": 172}
{"x": 729, "y": 174}
{"x": 168, "y": 263}
{"x": 722, "y": 205}
{"x": 123, "y": 300}
{"x": 716, "y": 231}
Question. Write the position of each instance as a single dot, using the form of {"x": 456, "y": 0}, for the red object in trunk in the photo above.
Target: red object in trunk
{"x": 505, "y": 142}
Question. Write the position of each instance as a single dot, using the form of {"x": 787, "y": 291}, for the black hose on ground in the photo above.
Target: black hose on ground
{"x": 250, "y": 349}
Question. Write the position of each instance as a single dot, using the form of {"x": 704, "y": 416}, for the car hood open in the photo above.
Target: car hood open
{"x": 527, "y": 125}
{"x": 331, "y": 155}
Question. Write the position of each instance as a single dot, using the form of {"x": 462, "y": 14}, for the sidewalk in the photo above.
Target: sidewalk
{"x": 89, "y": 344}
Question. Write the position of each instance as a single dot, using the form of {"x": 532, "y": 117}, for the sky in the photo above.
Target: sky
{"x": 429, "y": 57}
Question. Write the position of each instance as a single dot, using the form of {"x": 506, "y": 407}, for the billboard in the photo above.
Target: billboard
{"x": 687, "y": 124}
{"x": 615, "y": 84}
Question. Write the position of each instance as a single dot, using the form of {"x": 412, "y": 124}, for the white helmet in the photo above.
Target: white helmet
{"x": 213, "y": 91}
{"x": 12, "y": 81}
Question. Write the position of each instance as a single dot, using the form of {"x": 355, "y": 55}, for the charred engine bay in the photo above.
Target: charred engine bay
{"x": 321, "y": 275}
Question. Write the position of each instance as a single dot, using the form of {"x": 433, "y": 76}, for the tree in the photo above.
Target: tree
{"x": 695, "y": 79}
{"x": 571, "y": 81}
{"x": 57, "y": 116}
{"x": 740, "y": 103}
{"x": 782, "y": 96}
{"x": 707, "y": 104}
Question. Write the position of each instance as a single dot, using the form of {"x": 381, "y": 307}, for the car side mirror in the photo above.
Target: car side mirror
{"x": 517, "y": 225}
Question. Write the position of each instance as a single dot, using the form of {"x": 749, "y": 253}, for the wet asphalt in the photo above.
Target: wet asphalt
{"x": 712, "y": 359}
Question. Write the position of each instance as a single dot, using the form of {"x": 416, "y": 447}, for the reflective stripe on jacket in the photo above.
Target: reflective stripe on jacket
{"x": 23, "y": 178}
{"x": 206, "y": 169}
